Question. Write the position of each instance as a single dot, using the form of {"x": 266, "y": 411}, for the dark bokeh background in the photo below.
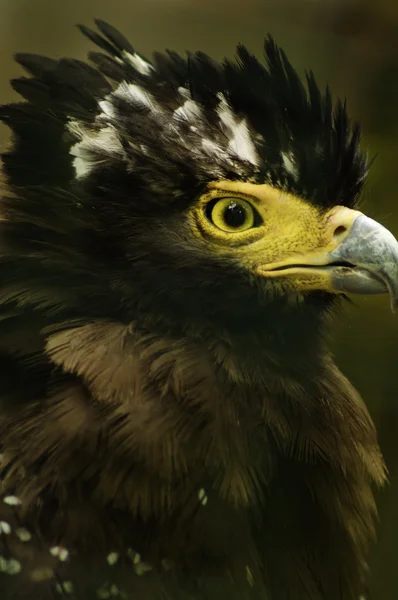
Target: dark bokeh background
{"x": 350, "y": 44}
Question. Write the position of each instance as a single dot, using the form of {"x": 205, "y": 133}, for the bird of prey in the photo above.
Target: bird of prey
{"x": 175, "y": 236}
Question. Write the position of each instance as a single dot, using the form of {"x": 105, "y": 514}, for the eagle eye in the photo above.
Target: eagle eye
{"x": 232, "y": 214}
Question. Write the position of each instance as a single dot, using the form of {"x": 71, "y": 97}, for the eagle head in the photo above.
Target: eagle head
{"x": 197, "y": 192}
{"x": 173, "y": 235}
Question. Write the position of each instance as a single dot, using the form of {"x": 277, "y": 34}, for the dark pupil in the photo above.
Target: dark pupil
{"x": 234, "y": 215}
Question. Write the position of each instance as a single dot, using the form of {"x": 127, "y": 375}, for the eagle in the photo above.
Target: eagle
{"x": 176, "y": 236}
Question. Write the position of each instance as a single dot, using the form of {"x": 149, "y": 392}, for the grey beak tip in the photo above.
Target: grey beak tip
{"x": 373, "y": 252}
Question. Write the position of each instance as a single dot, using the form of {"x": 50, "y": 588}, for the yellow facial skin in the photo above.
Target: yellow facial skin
{"x": 291, "y": 233}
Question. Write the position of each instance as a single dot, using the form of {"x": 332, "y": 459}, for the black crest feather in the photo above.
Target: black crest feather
{"x": 283, "y": 118}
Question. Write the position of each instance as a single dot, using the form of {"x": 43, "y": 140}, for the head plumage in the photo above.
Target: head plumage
{"x": 177, "y": 122}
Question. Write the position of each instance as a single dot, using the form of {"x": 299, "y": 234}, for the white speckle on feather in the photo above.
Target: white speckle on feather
{"x": 240, "y": 141}
{"x": 107, "y": 108}
{"x": 211, "y": 147}
{"x": 64, "y": 587}
{"x": 63, "y": 555}
{"x": 12, "y": 500}
{"x": 9, "y": 566}
{"x": 249, "y": 576}
{"x": 112, "y": 558}
{"x": 102, "y": 141}
{"x": 144, "y": 150}
{"x": 142, "y": 567}
{"x": 133, "y": 555}
{"x": 5, "y": 528}
{"x": 140, "y": 65}
{"x": 289, "y": 164}
{"x": 242, "y": 144}
{"x": 202, "y": 496}
{"x": 184, "y": 93}
{"x": 54, "y": 550}
{"x": 23, "y": 534}
{"x": 59, "y": 552}
{"x": 201, "y": 493}
{"x": 82, "y": 167}
{"x": 189, "y": 111}
{"x": 134, "y": 94}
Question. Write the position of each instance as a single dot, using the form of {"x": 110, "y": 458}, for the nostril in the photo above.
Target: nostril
{"x": 340, "y": 232}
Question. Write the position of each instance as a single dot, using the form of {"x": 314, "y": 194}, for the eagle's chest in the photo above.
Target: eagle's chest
{"x": 204, "y": 549}
{"x": 179, "y": 500}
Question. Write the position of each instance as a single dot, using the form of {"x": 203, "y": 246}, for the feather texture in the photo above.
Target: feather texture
{"x": 169, "y": 430}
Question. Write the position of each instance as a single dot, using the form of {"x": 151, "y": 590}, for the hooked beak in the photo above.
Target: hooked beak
{"x": 360, "y": 257}
{"x": 370, "y": 253}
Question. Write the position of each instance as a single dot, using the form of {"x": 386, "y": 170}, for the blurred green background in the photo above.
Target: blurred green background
{"x": 350, "y": 44}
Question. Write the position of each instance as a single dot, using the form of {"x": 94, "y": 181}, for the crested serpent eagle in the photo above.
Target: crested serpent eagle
{"x": 175, "y": 236}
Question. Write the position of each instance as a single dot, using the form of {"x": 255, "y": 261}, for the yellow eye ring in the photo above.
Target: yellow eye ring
{"x": 232, "y": 214}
